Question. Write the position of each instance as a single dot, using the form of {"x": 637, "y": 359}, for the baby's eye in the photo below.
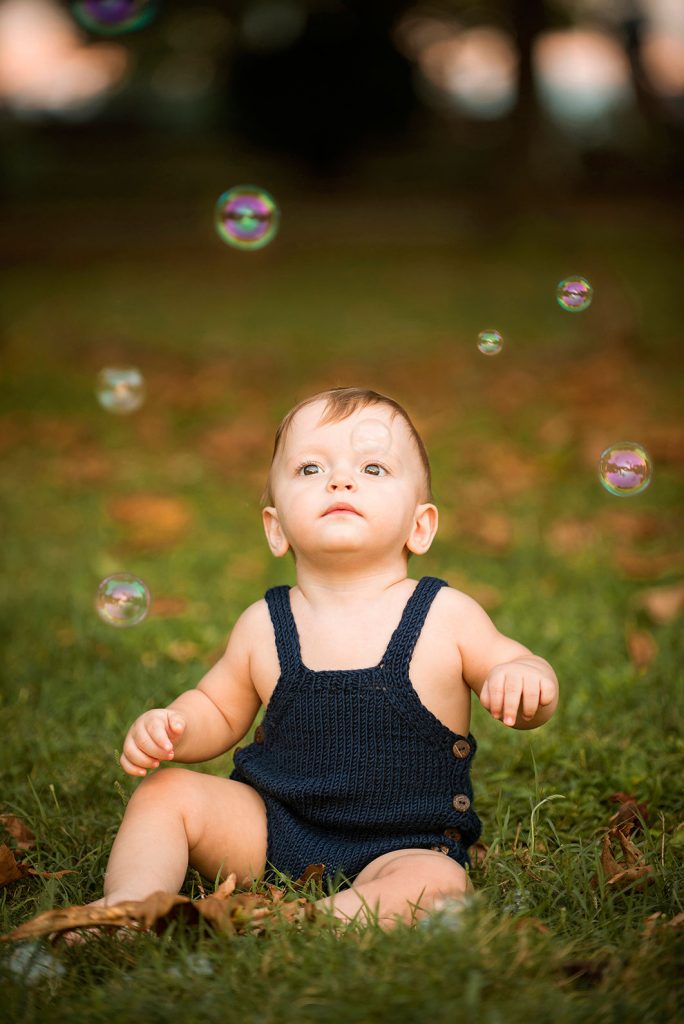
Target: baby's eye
{"x": 308, "y": 469}
{"x": 375, "y": 469}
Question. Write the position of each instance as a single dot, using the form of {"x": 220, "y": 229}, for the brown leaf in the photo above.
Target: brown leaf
{"x": 568, "y": 536}
{"x": 9, "y": 869}
{"x": 225, "y": 910}
{"x": 619, "y": 875}
{"x": 629, "y": 812}
{"x": 625, "y": 878}
{"x": 639, "y": 566}
{"x": 167, "y": 607}
{"x": 630, "y": 851}
{"x": 21, "y": 833}
{"x": 662, "y": 604}
{"x": 151, "y": 521}
{"x": 642, "y": 647}
{"x": 608, "y": 863}
{"x": 312, "y": 872}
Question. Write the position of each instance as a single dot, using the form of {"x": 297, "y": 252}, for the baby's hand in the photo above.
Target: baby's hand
{"x": 150, "y": 740}
{"x": 514, "y": 684}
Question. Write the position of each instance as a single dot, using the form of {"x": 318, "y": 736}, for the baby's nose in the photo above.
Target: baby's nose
{"x": 341, "y": 479}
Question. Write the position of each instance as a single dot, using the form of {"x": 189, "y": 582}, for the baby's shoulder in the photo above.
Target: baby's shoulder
{"x": 454, "y": 609}
{"x": 254, "y": 625}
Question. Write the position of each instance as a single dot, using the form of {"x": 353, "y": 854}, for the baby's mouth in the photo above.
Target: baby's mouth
{"x": 340, "y": 509}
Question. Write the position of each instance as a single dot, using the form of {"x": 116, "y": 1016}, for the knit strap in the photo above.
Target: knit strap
{"x": 285, "y": 629}
{"x": 405, "y": 637}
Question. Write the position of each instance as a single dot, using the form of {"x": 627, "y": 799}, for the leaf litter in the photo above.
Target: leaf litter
{"x": 226, "y": 911}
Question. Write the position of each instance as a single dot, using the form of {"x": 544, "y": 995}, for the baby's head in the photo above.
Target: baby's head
{"x": 343, "y": 437}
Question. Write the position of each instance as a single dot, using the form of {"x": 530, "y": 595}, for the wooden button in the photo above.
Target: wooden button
{"x": 461, "y": 748}
{"x": 453, "y": 833}
{"x": 461, "y": 802}
{"x": 440, "y": 849}
{"x": 259, "y": 734}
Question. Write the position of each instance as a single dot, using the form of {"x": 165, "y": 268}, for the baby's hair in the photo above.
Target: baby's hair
{"x": 340, "y": 403}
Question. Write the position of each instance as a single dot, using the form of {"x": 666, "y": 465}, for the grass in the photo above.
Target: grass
{"x": 349, "y": 292}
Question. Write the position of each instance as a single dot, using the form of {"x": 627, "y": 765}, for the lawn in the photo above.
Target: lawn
{"x": 387, "y": 289}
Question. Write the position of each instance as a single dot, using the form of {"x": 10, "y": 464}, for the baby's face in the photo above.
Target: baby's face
{"x": 333, "y": 495}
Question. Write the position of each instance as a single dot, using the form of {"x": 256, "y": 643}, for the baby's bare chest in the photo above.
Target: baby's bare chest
{"x": 435, "y": 670}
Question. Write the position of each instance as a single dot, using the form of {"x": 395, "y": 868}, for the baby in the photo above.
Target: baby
{"x": 362, "y": 760}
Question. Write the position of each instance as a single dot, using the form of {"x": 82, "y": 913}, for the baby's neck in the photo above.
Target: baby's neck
{"x": 343, "y": 590}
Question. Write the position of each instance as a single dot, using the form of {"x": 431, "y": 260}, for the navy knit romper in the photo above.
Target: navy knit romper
{"x": 351, "y": 764}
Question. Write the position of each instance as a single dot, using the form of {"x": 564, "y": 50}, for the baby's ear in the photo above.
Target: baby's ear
{"x": 277, "y": 541}
{"x": 423, "y": 529}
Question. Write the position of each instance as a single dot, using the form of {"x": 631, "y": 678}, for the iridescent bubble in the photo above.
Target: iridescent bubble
{"x": 113, "y": 17}
{"x": 247, "y": 217}
{"x": 371, "y": 437}
{"x": 574, "y": 294}
{"x": 120, "y": 389}
{"x": 625, "y": 468}
{"x": 122, "y": 600}
{"x": 489, "y": 342}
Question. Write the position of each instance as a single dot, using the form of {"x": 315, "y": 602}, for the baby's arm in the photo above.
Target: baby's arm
{"x": 512, "y": 683}
{"x": 206, "y": 721}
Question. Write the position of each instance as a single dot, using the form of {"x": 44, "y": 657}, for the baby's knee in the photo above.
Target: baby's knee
{"x": 163, "y": 784}
{"x": 447, "y": 878}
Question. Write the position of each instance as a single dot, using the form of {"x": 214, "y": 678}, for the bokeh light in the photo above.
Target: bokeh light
{"x": 113, "y": 17}
{"x": 122, "y": 600}
{"x": 625, "y": 468}
{"x": 574, "y": 294}
{"x": 371, "y": 437}
{"x": 247, "y": 217}
{"x": 489, "y": 342}
{"x": 120, "y": 389}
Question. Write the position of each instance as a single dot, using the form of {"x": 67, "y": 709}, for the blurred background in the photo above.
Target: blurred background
{"x": 439, "y": 168}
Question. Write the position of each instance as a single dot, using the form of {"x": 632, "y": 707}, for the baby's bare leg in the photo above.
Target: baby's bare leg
{"x": 405, "y": 886}
{"x": 176, "y": 817}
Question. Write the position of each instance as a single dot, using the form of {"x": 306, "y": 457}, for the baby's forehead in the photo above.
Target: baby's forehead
{"x": 310, "y": 423}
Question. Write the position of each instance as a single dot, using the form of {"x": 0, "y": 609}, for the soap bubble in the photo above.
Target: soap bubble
{"x": 112, "y": 17}
{"x": 246, "y": 217}
{"x": 625, "y": 468}
{"x": 120, "y": 390}
{"x": 489, "y": 342}
{"x": 122, "y": 600}
{"x": 371, "y": 437}
{"x": 574, "y": 294}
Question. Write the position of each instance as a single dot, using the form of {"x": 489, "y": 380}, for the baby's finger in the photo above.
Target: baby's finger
{"x": 137, "y": 756}
{"x": 130, "y": 768}
{"x": 497, "y": 686}
{"x": 530, "y": 698}
{"x": 484, "y": 695}
{"x": 512, "y": 694}
{"x": 147, "y": 742}
{"x": 547, "y": 691}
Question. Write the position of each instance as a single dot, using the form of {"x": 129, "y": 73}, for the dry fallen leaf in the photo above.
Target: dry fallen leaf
{"x": 662, "y": 604}
{"x": 167, "y": 607}
{"x": 641, "y": 646}
{"x": 629, "y": 814}
{"x": 151, "y": 521}
{"x": 11, "y": 870}
{"x": 225, "y": 910}
{"x": 638, "y": 566}
{"x": 21, "y": 833}
{"x": 621, "y": 874}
